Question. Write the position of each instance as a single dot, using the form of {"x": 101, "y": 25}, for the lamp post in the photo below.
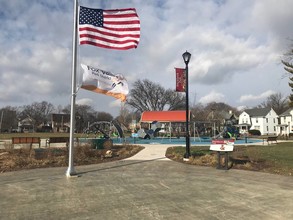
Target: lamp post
{"x": 186, "y": 57}
{"x": 214, "y": 125}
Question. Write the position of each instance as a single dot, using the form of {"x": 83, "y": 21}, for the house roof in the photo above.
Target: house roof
{"x": 287, "y": 113}
{"x": 164, "y": 116}
{"x": 228, "y": 115}
{"x": 27, "y": 121}
{"x": 257, "y": 112}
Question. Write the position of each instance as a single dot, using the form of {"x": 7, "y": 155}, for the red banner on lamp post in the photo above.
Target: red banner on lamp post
{"x": 180, "y": 79}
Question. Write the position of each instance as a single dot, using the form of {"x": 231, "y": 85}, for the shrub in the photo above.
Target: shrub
{"x": 254, "y": 132}
{"x": 8, "y": 146}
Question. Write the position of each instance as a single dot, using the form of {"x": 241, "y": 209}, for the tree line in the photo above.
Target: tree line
{"x": 153, "y": 98}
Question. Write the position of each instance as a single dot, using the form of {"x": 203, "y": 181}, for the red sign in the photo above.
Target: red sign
{"x": 223, "y": 141}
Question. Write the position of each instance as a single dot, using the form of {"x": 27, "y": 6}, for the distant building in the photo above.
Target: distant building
{"x": 60, "y": 122}
{"x": 171, "y": 121}
{"x": 229, "y": 118}
{"x": 263, "y": 119}
{"x": 26, "y": 125}
{"x": 286, "y": 123}
{"x": 8, "y": 121}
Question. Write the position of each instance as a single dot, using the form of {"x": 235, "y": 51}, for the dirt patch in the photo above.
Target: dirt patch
{"x": 28, "y": 158}
{"x": 235, "y": 162}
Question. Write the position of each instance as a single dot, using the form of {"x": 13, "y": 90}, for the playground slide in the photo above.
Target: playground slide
{"x": 119, "y": 129}
{"x": 219, "y": 135}
{"x": 104, "y": 133}
{"x": 226, "y": 133}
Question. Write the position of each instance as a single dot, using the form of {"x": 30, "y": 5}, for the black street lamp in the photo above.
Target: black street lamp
{"x": 186, "y": 57}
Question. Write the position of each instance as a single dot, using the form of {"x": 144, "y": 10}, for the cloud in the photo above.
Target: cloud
{"x": 213, "y": 96}
{"x": 241, "y": 107}
{"x": 115, "y": 103}
{"x": 272, "y": 17}
{"x": 250, "y": 97}
{"x": 225, "y": 56}
{"x": 84, "y": 101}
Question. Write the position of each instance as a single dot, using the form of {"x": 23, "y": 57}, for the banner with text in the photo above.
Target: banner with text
{"x": 180, "y": 79}
{"x": 100, "y": 81}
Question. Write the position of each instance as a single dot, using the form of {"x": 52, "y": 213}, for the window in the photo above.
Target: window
{"x": 267, "y": 120}
{"x": 267, "y": 128}
{"x": 256, "y": 120}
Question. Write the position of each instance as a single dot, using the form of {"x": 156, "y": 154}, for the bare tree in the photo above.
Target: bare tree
{"x": 199, "y": 113}
{"x": 212, "y": 110}
{"x": 175, "y": 100}
{"x": 276, "y": 101}
{"x": 84, "y": 115}
{"x": 125, "y": 117}
{"x": 104, "y": 116}
{"x": 38, "y": 111}
{"x": 150, "y": 96}
{"x": 288, "y": 66}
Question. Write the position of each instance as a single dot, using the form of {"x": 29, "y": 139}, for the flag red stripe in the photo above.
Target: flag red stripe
{"x": 120, "y": 30}
{"x": 120, "y": 22}
{"x": 107, "y": 40}
{"x": 120, "y": 10}
{"x": 108, "y": 46}
{"x": 120, "y": 16}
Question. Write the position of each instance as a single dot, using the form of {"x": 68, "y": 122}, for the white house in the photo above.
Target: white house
{"x": 263, "y": 119}
{"x": 286, "y": 123}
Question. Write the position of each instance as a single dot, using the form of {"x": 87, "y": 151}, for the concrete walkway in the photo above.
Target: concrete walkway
{"x": 152, "y": 152}
{"x": 146, "y": 186}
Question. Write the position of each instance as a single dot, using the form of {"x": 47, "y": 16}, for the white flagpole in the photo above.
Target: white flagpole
{"x": 70, "y": 171}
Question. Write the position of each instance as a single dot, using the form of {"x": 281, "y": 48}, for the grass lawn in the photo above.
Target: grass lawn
{"x": 279, "y": 155}
{"x": 274, "y": 158}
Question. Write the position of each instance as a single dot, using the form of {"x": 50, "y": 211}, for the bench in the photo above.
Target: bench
{"x": 271, "y": 139}
{"x": 53, "y": 140}
{"x": 26, "y": 140}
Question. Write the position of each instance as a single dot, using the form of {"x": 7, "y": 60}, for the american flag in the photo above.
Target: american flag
{"x": 113, "y": 29}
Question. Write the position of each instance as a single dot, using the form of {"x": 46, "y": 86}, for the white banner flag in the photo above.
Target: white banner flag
{"x": 104, "y": 82}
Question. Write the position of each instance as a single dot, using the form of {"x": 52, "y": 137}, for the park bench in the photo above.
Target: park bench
{"x": 53, "y": 140}
{"x": 271, "y": 139}
{"x": 26, "y": 140}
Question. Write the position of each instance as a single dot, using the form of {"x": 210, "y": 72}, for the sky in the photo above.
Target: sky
{"x": 236, "y": 49}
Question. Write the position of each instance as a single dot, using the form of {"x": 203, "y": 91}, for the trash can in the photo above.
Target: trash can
{"x": 40, "y": 153}
{"x": 99, "y": 143}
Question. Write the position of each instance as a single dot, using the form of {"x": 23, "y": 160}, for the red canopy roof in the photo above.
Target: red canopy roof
{"x": 164, "y": 116}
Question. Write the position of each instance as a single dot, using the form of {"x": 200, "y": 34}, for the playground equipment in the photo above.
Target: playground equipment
{"x": 151, "y": 133}
{"x": 228, "y": 132}
{"x": 106, "y": 128}
{"x": 103, "y": 131}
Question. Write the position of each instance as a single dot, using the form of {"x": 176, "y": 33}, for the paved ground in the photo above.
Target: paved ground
{"x": 146, "y": 186}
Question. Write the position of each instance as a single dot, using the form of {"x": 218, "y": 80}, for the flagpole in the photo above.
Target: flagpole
{"x": 70, "y": 171}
